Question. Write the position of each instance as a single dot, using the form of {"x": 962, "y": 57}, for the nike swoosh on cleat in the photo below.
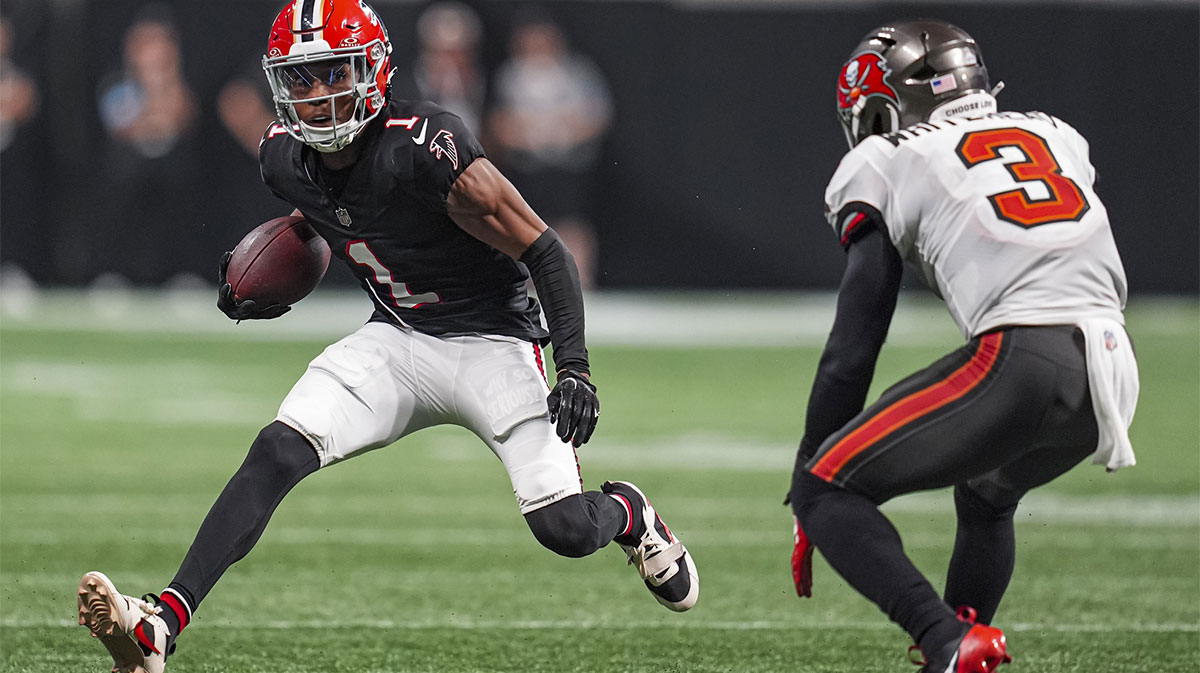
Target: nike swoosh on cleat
{"x": 420, "y": 139}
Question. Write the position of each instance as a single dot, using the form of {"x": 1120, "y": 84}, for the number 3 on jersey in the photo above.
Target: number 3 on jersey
{"x": 401, "y": 297}
{"x": 1066, "y": 202}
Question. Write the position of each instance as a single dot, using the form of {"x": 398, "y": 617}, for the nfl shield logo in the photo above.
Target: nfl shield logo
{"x": 1110, "y": 340}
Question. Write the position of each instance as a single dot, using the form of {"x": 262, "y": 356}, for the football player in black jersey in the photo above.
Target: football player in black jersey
{"x": 440, "y": 241}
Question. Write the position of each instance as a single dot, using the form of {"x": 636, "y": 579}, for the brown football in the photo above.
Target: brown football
{"x": 280, "y": 262}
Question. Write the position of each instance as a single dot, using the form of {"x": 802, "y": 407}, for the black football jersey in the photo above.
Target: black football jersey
{"x": 386, "y": 218}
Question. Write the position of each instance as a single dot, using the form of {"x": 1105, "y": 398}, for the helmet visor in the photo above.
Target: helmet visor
{"x": 311, "y": 81}
{"x": 322, "y": 96}
{"x": 302, "y": 80}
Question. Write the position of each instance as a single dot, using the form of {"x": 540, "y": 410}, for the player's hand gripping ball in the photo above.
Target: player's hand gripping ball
{"x": 574, "y": 408}
{"x": 276, "y": 265}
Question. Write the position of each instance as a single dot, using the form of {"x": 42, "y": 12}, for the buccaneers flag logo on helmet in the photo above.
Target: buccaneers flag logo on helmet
{"x": 863, "y": 76}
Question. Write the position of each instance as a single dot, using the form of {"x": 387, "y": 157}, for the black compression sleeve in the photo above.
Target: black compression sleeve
{"x": 866, "y": 301}
{"x": 556, "y": 278}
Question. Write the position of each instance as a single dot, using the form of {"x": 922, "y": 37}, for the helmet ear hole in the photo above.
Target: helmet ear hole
{"x": 877, "y": 125}
{"x": 883, "y": 118}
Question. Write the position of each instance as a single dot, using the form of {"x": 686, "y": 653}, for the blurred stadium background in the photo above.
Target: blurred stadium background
{"x": 712, "y": 296}
{"x": 714, "y": 165}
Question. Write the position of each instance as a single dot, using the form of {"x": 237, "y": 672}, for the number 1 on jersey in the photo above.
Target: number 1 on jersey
{"x": 1066, "y": 202}
{"x": 360, "y": 252}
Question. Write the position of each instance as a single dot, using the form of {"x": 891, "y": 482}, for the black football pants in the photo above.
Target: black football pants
{"x": 1009, "y": 411}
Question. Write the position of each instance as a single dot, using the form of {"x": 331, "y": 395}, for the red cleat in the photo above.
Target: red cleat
{"x": 981, "y": 649}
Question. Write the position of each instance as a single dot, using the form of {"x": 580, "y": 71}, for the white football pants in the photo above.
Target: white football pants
{"x": 383, "y": 382}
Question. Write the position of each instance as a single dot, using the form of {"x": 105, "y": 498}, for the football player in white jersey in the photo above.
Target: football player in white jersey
{"x": 996, "y": 212}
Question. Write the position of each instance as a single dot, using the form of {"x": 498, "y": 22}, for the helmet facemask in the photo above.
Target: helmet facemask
{"x": 348, "y": 78}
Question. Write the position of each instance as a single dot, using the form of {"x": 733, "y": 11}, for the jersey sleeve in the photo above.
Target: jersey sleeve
{"x": 1079, "y": 148}
{"x": 274, "y": 157}
{"x": 857, "y": 195}
{"x": 448, "y": 149}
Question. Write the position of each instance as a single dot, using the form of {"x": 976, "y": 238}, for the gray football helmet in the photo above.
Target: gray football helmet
{"x": 906, "y": 72}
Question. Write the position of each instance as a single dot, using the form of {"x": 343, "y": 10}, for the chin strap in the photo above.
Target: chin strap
{"x": 312, "y": 135}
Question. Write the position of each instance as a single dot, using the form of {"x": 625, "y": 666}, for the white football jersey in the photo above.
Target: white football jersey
{"x": 998, "y": 214}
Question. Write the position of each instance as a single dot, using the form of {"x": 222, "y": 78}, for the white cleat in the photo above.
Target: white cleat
{"x": 661, "y": 559}
{"x": 129, "y": 627}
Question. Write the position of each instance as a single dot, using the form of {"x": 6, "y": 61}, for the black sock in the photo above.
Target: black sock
{"x": 610, "y": 516}
{"x": 938, "y": 633}
{"x": 865, "y": 549}
{"x": 984, "y": 555}
{"x": 628, "y": 531}
{"x": 279, "y": 458}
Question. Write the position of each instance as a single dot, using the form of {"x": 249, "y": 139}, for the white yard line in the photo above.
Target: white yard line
{"x": 699, "y": 318}
{"x": 557, "y": 625}
{"x": 405, "y": 537}
{"x": 1037, "y": 508}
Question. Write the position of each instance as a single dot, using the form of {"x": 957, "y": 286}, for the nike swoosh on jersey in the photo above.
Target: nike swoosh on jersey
{"x": 420, "y": 139}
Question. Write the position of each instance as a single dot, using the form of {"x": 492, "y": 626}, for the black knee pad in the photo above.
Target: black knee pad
{"x": 282, "y": 450}
{"x": 565, "y": 528}
{"x": 972, "y": 505}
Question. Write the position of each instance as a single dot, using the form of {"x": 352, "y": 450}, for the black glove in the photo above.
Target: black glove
{"x": 245, "y": 309}
{"x": 574, "y": 407}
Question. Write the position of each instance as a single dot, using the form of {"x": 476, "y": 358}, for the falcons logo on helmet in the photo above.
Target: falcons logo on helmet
{"x": 863, "y": 76}
{"x": 442, "y": 146}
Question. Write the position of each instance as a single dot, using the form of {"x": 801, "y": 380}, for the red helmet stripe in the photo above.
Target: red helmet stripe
{"x": 308, "y": 20}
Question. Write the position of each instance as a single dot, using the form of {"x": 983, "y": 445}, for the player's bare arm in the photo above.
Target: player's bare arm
{"x": 486, "y": 205}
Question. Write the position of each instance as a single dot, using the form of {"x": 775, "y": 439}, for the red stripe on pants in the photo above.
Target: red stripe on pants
{"x": 912, "y": 407}
{"x": 537, "y": 354}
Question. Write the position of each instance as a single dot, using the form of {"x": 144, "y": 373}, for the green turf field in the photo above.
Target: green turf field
{"x": 113, "y": 443}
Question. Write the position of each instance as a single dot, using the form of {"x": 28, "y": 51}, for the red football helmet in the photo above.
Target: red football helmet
{"x": 340, "y": 44}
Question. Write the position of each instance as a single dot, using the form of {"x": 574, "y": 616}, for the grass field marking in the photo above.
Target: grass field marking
{"x": 1183, "y": 510}
{"x": 144, "y": 392}
{"x": 666, "y": 319}
{"x": 1147, "y": 510}
{"x": 401, "y": 537}
{"x": 669, "y": 319}
{"x": 585, "y": 625}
